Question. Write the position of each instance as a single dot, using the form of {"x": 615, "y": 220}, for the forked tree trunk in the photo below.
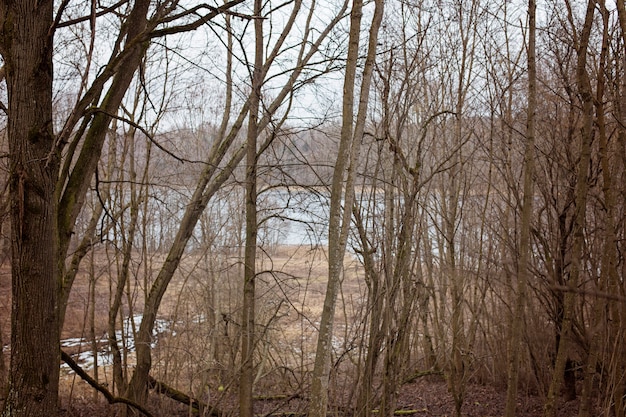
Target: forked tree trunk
{"x": 26, "y": 42}
{"x": 342, "y": 194}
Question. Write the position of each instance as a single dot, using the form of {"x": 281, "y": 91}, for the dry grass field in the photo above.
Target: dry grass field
{"x": 196, "y": 347}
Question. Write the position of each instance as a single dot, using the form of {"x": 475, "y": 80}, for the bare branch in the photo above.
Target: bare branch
{"x": 201, "y": 21}
{"x": 59, "y": 24}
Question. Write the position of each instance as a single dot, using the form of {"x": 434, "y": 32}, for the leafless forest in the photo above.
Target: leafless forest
{"x": 312, "y": 208}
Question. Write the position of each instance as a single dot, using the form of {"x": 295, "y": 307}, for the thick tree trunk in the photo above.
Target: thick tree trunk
{"x": 27, "y": 45}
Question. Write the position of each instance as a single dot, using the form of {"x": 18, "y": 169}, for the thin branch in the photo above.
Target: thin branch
{"x": 59, "y": 24}
{"x": 195, "y": 11}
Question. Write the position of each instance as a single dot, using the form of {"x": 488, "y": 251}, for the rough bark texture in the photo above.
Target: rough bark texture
{"x": 26, "y": 41}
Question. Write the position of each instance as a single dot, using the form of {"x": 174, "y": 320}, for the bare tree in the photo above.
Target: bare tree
{"x": 583, "y": 84}
{"x": 527, "y": 209}
{"x": 220, "y": 165}
{"x": 342, "y": 193}
{"x": 248, "y": 312}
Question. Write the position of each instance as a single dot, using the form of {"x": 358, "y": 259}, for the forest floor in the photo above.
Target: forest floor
{"x": 428, "y": 397}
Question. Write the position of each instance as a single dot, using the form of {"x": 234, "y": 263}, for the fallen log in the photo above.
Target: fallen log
{"x": 160, "y": 387}
{"x": 421, "y": 374}
{"x": 112, "y": 399}
{"x": 181, "y": 397}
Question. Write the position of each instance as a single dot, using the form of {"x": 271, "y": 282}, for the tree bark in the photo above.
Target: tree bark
{"x": 27, "y": 43}
{"x": 246, "y": 381}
